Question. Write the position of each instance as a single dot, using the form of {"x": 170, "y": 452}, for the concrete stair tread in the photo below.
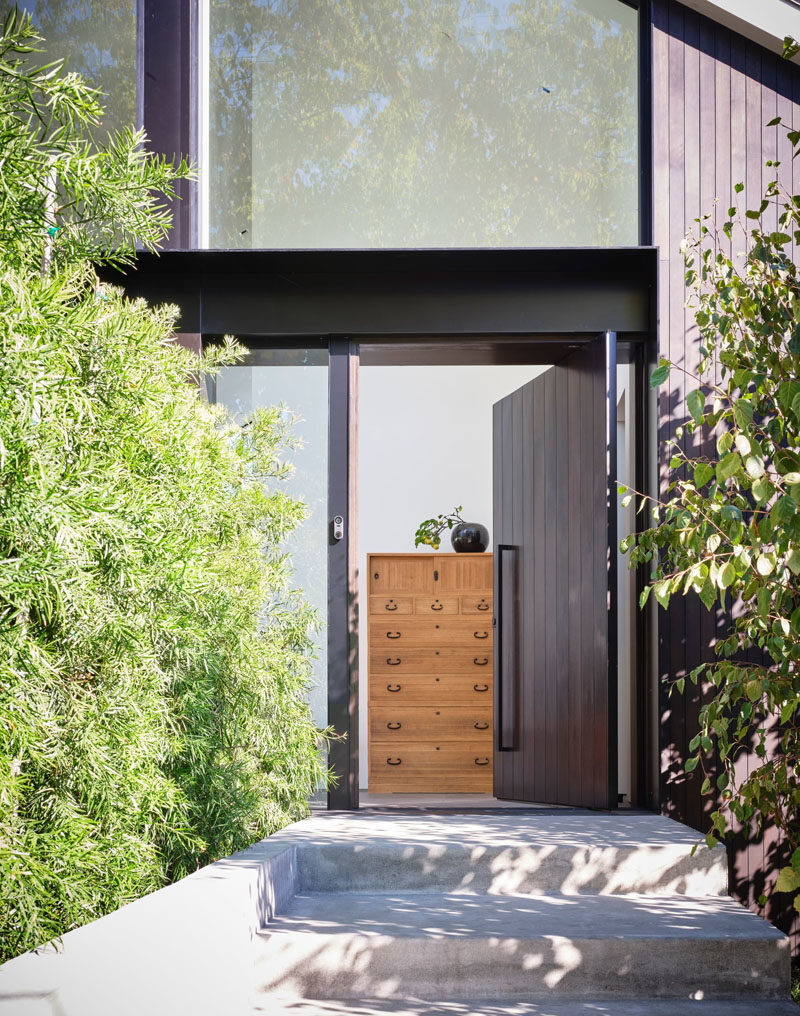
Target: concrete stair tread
{"x": 554, "y": 915}
{"x": 496, "y": 1007}
{"x": 573, "y": 828}
{"x": 574, "y": 853}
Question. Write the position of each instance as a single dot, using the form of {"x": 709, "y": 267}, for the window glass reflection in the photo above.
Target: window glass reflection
{"x": 377, "y": 123}
{"x": 95, "y": 38}
{"x": 296, "y": 379}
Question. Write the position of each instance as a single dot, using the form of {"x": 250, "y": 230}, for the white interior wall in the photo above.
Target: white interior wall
{"x": 425, "y": 445}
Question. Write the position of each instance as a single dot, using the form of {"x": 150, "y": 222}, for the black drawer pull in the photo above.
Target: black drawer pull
{"x": 481, "y": 663}
{"x": 392, "y": 634}
{"x": 479, "y": 635}
{"x": 397, "y": 761}
{"x": 484, "y": 688}
{"x": 481, "y": 761}
{"x": 481, "y": 726}
{"x": 397, "y": 726}
{"x": 395, "y": 687}
{"x": 434, "y": 607}
{"x": 393, "y": 663}
{"x": 483, "y": 606}
{"x": 387, "y": 607}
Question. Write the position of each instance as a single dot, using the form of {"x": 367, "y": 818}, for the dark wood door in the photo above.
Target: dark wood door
{"x": 555, "y": 594}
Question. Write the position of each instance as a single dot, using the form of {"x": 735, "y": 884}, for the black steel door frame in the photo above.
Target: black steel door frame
{"x": 385, "y": 299}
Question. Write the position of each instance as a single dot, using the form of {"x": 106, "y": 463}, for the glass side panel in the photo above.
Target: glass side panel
{"x": 95, "y": 38}
{"x": 298, "y": 380}
{"x": 422, "y": 123}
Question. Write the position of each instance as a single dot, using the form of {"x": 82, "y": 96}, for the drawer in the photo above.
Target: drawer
{"x": 399, "y": 723}
{"x": 430, "y": 767}
{"x": 461, "y": 572}
{"x": 435, "y": 604}
{"x": 478, "y": 603}
{"x": 390, "y": 574}
{"x": 388, "y": 605}
{"x": 391, "y": 660}
{"x": 433, "y": 632}
{"x": 395, "y": 690}
{"x": 394, "y": 781}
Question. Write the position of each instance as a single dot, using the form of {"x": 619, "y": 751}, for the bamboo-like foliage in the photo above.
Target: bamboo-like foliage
{"x": 153, "y": 657}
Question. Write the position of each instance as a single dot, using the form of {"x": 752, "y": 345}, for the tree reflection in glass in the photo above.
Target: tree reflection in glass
{"x": 94, "y": 38}
{"x": 381, "y": 123}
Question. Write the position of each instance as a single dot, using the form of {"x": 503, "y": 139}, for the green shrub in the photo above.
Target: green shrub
{"x": 727, "y": 528}
{"x": 153, "y": 658}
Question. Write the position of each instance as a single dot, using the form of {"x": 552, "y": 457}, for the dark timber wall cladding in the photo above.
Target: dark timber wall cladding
{"x": 713, "y": 94}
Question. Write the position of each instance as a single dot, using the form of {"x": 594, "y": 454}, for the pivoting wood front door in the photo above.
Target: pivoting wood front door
{"x": 555, "y": 589}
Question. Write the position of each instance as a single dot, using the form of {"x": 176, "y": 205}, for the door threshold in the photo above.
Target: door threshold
{"x": 447, "y": 802}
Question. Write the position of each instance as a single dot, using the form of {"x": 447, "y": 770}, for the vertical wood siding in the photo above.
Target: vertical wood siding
{"x": 713, "y": 94}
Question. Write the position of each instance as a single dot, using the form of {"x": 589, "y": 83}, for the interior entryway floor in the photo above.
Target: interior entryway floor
{"x": 447, "y": 802}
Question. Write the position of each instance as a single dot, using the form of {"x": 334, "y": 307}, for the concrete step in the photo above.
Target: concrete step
{"x": 519, "y": 853}
{"x": 492, "y": 1007}
{"x": 460, "y": 946}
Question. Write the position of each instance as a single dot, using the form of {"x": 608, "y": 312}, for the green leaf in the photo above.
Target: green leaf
{"x": 753, "y": 690}
{"x": 754, "y": 466}
{"x": 793, "y": 560}
{"x": 762, "y": 489}
{"x": 661, "y": 591}
{"x": 788, "y": 881}
{"x": 765, "y": 564}
{"x": 644, "y": 596}
{"x": 691, "y": 764}
{"x": 708, "y": 594}
{"x": 743, "y": 413}
{"x": 726, "y": 575}
{"x": 660, "y": 374}
{"x": 703, "y": 472}
{"x": 695, "y": 402}
{"x": 729, "y": 465}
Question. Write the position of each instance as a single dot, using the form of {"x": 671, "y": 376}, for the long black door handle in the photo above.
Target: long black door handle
{"x": 505, "y": 709}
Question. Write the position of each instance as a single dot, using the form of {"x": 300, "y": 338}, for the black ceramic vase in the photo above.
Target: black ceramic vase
{"x": 469, "y": 538}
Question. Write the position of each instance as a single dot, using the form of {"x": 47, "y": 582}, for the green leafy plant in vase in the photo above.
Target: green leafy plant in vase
{"x": 429, "y": 532}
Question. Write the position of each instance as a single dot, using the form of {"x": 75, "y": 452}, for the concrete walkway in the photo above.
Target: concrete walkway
{"x": 514, "y": 914}
{"x": 392, "y": 913}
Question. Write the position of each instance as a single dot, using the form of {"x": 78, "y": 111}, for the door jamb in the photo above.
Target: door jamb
{"x": 343, "y": 571}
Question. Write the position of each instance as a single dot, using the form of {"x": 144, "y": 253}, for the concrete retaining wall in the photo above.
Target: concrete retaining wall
{"x": 187, "y": 948}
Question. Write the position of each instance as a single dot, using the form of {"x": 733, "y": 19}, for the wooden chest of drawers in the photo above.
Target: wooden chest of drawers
{"x": 430, "y": 673}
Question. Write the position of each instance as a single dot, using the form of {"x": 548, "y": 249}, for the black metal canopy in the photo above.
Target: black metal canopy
{"x": 385, "y": 294}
